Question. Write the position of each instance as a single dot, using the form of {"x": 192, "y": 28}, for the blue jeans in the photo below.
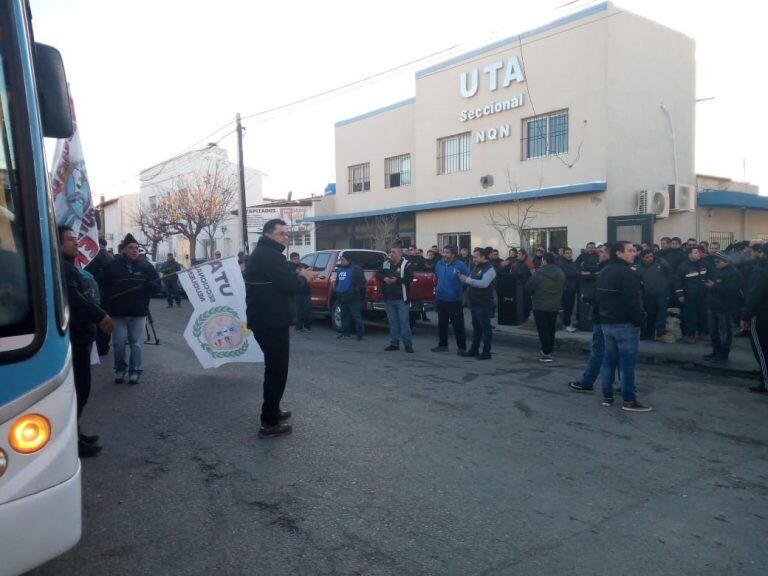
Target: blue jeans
{"x": 130, "y": 330}
{"x": 350, "y": 310}
{"x": 303, "y": 311}
{"x": 172, "y": 291}
{"x": 398, "y": 316}
{"x": 621, "y": 343}
{"x": 596, "y": 355}
{"x": 481, "y": 327}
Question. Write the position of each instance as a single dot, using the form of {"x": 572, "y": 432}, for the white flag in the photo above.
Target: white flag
{"x": 217, "y": 331}
{"x": 72, "y": 202}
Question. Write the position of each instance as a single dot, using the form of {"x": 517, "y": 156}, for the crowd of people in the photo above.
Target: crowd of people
{"x": 621, "y": 291}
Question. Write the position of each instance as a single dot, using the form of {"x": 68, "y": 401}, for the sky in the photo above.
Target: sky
{"x": 151, "y": 79}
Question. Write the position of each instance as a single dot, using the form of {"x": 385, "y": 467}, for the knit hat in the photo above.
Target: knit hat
{"x": 129, "y": 239}
{"x": 722, "y": 256}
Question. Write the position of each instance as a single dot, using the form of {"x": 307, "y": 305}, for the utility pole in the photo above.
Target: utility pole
{"x": 241, "y": 167}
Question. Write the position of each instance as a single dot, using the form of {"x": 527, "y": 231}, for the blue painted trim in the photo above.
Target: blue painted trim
{"x": 730, "y": 199}
{"x": 499, "y": 43}
{"x": 571, "y": 189}
{"x": 375, "y": 112}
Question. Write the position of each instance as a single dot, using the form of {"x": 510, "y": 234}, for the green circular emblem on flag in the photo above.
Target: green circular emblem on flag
{"x": 221, "y": 333}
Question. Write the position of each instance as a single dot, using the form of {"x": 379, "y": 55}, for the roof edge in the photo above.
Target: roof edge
{"x": 365, "y": 115}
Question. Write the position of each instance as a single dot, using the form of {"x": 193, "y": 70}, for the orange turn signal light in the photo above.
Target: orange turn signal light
{"x": 29, "y": 433}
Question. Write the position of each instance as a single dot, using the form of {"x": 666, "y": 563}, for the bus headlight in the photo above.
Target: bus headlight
{"x": 29, "y": 433}
{"x": 3, "y": 462}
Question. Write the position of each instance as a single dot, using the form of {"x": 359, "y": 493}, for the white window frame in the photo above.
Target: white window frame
{"x": 359, "y": 177}
{"x": 454, "y": 153}
{"x": 547, "y": 137}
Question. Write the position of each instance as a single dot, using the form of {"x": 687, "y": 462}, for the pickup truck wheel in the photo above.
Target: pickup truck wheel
{"x": 336, "y": 316}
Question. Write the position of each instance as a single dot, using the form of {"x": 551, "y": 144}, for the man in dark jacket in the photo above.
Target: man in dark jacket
{"x": 546, "y": 290}
{"x": 270, "y": 289}
{"x": 303, "y": 300}
{"x": 723, "y": 297}
{"x": 755, "y": 316}
{"x": 588, "y": 263}
{"x": 657, "y": 280}
{"x": 350, "y": 288}
{"x": 396, "y": 274}
{"x": 480, "y": 297}
{"x": 128, "y": 285}
{"x": 449, "y": 296}
{"x": 571, "y": 286}
{"x": 170, "y": 270}
{"x": 96, "y": 268}
{"x": 619, "y": 297}
{"x": 85, "y": 316}
{"x": 674, "y": 254}
{"x": 691, "y": 292}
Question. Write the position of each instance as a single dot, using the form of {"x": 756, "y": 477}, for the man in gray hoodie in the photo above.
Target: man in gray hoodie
{"x": 546, "y": 290}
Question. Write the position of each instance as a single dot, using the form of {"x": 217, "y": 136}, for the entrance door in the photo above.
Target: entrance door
{"x": 636, "y": 228}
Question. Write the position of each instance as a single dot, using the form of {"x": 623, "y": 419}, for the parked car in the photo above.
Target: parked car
{"x": 326, "y": 263}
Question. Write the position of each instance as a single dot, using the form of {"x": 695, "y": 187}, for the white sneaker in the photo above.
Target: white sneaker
{"x": 570, "y": 329}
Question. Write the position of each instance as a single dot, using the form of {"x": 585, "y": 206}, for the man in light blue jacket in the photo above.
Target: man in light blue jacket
{"x": 449, "y": 296}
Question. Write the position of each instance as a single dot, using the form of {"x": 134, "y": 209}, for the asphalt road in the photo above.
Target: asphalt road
{"x": 417, "y": 464}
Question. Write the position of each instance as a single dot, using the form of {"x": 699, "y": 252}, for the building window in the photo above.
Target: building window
{"x": 549, "y": 237}
{"x": 458, "y": 239}
{"x": 454, "y": 154}
{"x": 397, "y": 171}
{"x": 360, "y": 178}
{"x": 724, "y": 238}
{"x": 545, "y": 135}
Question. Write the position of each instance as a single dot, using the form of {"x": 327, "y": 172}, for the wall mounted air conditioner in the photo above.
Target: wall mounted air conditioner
{"x": 642, "y": 202}
{"x": 660, "y": 203}
{"x": 682, "y": 197}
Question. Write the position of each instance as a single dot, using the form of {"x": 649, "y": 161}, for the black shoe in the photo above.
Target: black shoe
{"x": 284, "y": 415}
{"x": 759, "y": 389}
{"x": 391, "y": 347}
{"x": 461, "y": 351}
{"x": 344, "y": 336}
{"x": 579, "y": 388}
{"x": 133, "y": 379}
{"x": 470, "y": 353}
{"x": 308, "y": 328}
{"x": 607, "y": 402}
{"x": 85, "y": 450}
{"x": 409, "y": 349}
{"x": 277, "y": 430}
{"x": 484, "y": 357}
{"x": 119, "y": 378}
{"x": 359, "y": 338}
{"x": 440, "y": 349}
{"x": 88, "y": 439}
{"x": 711, "y": 357}
{"x": 635, "y": 407}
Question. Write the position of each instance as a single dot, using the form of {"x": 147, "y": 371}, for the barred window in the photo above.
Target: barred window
{"x": 724, "y": 238}
{"x": 397, "y": 171}
{"x": 360, "y": 177}
{"x": 548, "y": 237}
{"x": 454, "y": 154}
{"x": 545, "y": 135}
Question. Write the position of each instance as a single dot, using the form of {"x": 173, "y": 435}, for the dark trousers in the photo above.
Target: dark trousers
{"x": 722, "y": 332}
{"x": 569, "y": 301}
{"x": 694, "y": 315}
{"x": 81, "y": 367}
{"x": 275, "y": 343}
{"x": 546, "y": 322}
{"x": 758, "y": 336}
{"x": 102, "y": 342}
{"x": 350, "y": 311}
{"x": 172, "y": 291}
{"x": 481, "y": 326}
{"x": 452, "y": 312}
{"x": 303, "y": 311}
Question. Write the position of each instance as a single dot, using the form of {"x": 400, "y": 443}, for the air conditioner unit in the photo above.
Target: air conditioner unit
{"x": 660, "y": 203}
{"x": 642, "y": 202}
{"x": 486, "y": 181}
{"x": 682, "y": 197}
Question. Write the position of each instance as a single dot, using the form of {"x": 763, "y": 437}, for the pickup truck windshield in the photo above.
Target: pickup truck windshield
{"x": 16, "y": 315}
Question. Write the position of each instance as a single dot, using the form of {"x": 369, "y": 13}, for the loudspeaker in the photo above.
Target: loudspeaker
{"x": 511, "y": 300}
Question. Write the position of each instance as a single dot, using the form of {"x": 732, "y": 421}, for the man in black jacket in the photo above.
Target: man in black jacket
{"x": 571, "y": 287}
{"x": 271, "y": 287}
{"x": 755, "y": 317}
{"x": 690, "y": 290}
{"x": 723, "y": 297}
{"x": 619, "y": 297}
{"x": 85, "y": 317}
{"x": 303, "y": 300}
{"x": 129, "y": 282}
{"x": 96, "y": 268}
{"x": 657, "y": 280}
{"x": 397, "y": 275}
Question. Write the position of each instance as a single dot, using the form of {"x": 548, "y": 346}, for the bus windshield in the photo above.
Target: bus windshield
{"x": 16, "y": 311}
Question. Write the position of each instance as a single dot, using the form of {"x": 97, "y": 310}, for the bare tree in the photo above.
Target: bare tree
{"x": 152, "y": 226}
{"x": 514, "y": 224}
{"x": 199, "y": 202}
{"x": 383, "y": 231}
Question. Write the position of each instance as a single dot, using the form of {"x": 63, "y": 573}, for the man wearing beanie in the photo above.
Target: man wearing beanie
{"x": 723, "y": 297}
{"x": 128, "y": 285}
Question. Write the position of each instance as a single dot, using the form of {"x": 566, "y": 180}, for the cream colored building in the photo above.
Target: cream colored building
{"x": 588, "y": 122}
{"x": 119, "y": 218}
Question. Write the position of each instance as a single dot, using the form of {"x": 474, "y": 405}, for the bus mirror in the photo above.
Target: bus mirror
{"x": 53, "y": 92}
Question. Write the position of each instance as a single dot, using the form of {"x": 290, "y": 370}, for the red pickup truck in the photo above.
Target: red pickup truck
{"x": 326, "y": 262}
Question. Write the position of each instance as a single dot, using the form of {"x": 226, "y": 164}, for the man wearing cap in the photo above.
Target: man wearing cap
{"x": 723, "y": 294}
{"x": 128, "y": 285}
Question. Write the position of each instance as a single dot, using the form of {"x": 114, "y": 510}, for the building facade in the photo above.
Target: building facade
{"x": 119, "y": 218}
{"x": 163, "y": 177}
{"x": 580, "y": 130}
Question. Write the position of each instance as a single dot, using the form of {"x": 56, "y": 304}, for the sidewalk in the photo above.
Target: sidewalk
{"x": 742, "y": 362}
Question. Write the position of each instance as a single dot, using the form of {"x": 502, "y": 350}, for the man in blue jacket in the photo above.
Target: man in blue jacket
{"x": 449, "y": 296}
